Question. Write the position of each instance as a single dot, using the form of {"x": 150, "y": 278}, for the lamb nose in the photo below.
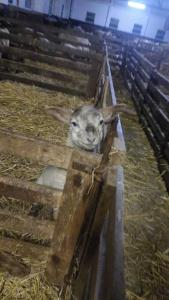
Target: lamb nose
{"x": 91, "y": 140}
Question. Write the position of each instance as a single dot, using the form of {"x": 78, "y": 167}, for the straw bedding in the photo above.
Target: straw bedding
{"x": 146, "y": 215}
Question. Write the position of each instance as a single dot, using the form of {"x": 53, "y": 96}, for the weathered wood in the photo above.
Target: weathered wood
{"x": 152, "y": 140}
{"x": 29, "y": 192}
{"x": 68, "y": 225}
{"x": 154, "y": 126}
{"x": 145, "y": 63}
{"x": 93, "y": 78}
{"x": 112, "y": 274}
{"x": 140, "y": 83}
{"x": 16, "y": 66}
{"x": 44, "y": 85}
{"x": 13, "y": 265}
{"x": 40, "y": 150}
{"x": 159, "y": 115}
{"x": 143, "y": 74}
{"x": 36, "y": 253}
{"x": 55, "y": 61}
{"x": 51, "y": 49}
{"x": 158, "y": 78}
{"x": 26, "y": 225}
{"x": 158, "y": 95}
{"x": 51, "y": 31}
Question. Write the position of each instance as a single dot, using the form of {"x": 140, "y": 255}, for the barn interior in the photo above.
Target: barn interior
{"x": 103, "y": 234}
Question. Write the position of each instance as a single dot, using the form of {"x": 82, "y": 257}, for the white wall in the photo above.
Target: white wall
{"x": 80, "y": 8}
{"x": 150, "y": 19}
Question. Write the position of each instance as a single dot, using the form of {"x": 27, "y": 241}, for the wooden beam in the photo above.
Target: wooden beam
{"x": 29, "y": 192}
{"x": 44, "y": 85}
{"x": 36, "y": 253}
{"x": 31, "y": 227}
{"x": 96, "y": 41}
{"x": 17, "y": 66}
{"x": 13, "y": 265}
{"x": 158, "y": 78}
{"x": 55, "y": 61}
{"x": 145, "y": 63}
{"x": 68, "y": 225}
{"x": 110, "y": 273}
{"x": 158, "y": 96}
{"x": 40, "y": 150}
{"x": 49, "y": 49}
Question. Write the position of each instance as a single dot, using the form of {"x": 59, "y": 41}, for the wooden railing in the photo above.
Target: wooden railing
{"x": 150, "y": 90}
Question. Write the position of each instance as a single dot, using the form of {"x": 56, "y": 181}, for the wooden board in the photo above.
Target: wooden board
{"x": 40, "y": 150}
{"x": 29, "y": 191}
{"x": 55, "y": 61}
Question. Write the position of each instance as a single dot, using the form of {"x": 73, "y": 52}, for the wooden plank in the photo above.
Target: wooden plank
{"x": 152, "y": 140}
{"x": 93, "y": 78}
{"x": 44, "y": 85}
{"x": 36, "y": 253}
{"x": 28, "y": 226}
{"x": 158, "y": 95}
{"x": 158, "y": 78}
{"x": 29, "y": 192}
{"x": 159, "y": 115}
{"x": 13, "y": 265}
{"x": 145, "y": 63}
{"x": 40, "y": 150}
{"x": 48, "y": 30}
{"x": 141, "y": 85}
{"x": 143, "y": 74}
{"x": 154, "y": 126}
{"x": 17, "y": 66}
{"x": 51, "y": 49}
{"x": 68, "y": 225}
{"x": 55, "y": 61}
{"x": 112, "y": 273}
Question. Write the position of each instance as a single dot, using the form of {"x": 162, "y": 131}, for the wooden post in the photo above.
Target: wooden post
{"x": 68, "y": 225}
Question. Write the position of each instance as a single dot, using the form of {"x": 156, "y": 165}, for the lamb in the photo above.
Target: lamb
{"x": 4, "y": 42}
{"x": 87, "y": 130}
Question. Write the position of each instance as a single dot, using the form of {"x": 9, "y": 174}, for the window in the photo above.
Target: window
{"x": 90, "y": 17}
{"x": 137, "y": 29}
{"x": 28, "y": 3}
{"x": 160, "y": 35}
{"x": 114, "y": 23}
{"x": 10, "y": 1}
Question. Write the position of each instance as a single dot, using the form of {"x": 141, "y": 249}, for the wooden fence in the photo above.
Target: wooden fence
{"x": 88, "y": 229}
{"x": 150, "y": 90}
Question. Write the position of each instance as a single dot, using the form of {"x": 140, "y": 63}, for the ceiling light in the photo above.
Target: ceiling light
{"x": 137, "y": 5}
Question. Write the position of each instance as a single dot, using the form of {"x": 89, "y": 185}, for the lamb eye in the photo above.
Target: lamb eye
{"x": 74, "y": 124}
{"x": 101, "y": 122}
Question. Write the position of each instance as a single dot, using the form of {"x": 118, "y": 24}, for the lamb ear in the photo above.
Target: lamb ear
{"x": 59, "y": 113}
{"x": 111, "y": 112}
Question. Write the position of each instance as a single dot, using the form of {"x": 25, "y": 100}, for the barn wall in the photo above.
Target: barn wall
{"x": 151, "y": 20}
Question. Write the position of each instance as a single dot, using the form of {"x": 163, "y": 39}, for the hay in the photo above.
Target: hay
{"x": 30, "y": 287}
{"x": 146, "y": 215}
